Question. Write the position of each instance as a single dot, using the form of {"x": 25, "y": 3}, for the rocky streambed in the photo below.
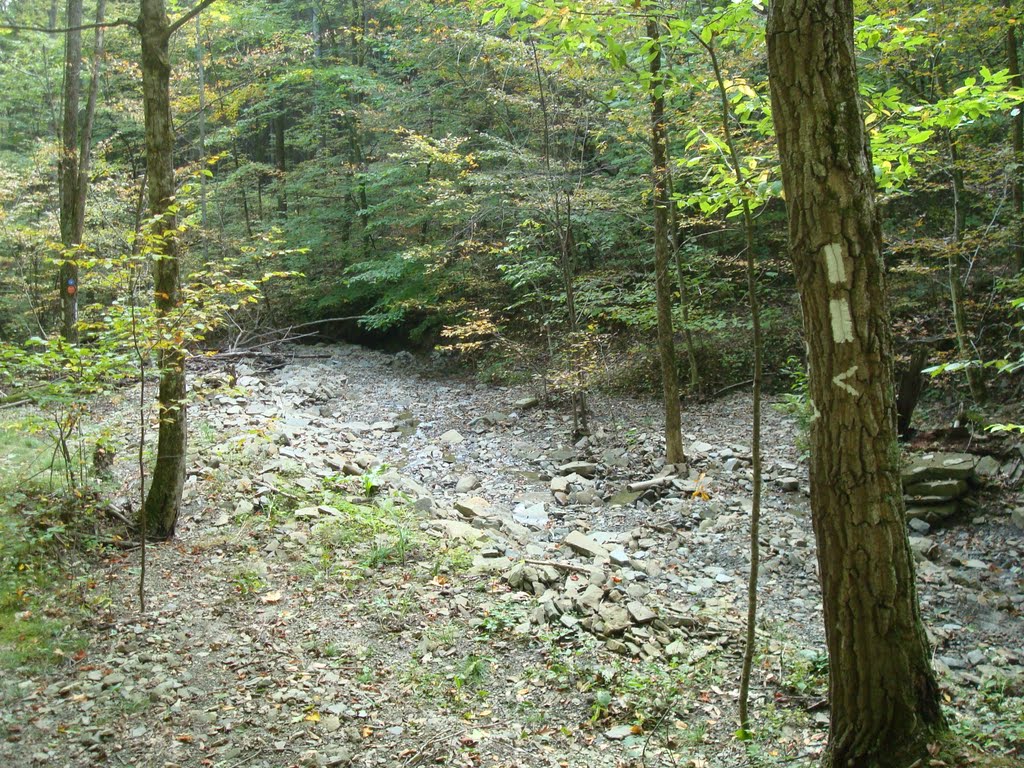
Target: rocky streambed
{"x": 522, "y": 600}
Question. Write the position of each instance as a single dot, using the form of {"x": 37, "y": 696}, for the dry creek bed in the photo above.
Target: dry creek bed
{"x": 520, "y": 602}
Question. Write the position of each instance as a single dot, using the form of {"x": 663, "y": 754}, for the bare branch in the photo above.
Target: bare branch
{"x": 64, "y": 30}
{"x": 199, "y": 8}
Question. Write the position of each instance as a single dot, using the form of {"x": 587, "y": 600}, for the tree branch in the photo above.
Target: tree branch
{"x": 64, "y": 30}
{"x": 199, "y": 8}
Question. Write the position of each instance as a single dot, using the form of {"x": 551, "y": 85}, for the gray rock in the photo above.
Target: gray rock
{"x": 622, "y": 498}
{"x": 932, "y": 513}
{"x": 467, "y": 483}
{"x": 451, "y": 437}
{"x": 919, "y": 525}
{"x": 640, "y": 613}
{"x": 788, "y": 484}
{"x": 615, "y": 617}
{"x": 619, "y": 557}
{"x": 516, "y": 577}
{"x": 533, "y": 516}
{"x": 618, "y": 732}
{"x": 676, "y": 648}
{"x": 939, "y": 489}
{"x": 456, "y": 529}
{"x": 1017, "y": 517}
{"x": 987, "y": 466}
{"x": 584, "y": 545}
{"x": 590, "y": 598}
{"x": 939, "y": 466}
{"x": 485, "y": 565}
{"x": 976, "y": 657}
{"x": 525, "y": 403}
{"x": 472, "y": 507}
{"x": 581, "y": 468}
{"x": 923, "y": 547}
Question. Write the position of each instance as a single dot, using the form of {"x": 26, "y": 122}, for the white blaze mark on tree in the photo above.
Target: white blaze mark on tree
{"x": 842, "y": 323}
{"x": 833, "y": 253}
{"x": 840, "y": 381}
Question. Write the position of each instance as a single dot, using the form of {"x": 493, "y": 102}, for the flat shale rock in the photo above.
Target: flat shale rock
{"x": 581, "y": 468}
{"x": 939, "y": 466}
{"x": 472, "y": 507}
{"x": 949, "y": 488}
{"x": 615, "y": 617}
{"x": 933, "y": 513}
{"x": 584, "y": 545}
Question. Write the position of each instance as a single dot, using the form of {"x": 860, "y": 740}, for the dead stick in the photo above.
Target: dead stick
{"x": 560, "y": 566}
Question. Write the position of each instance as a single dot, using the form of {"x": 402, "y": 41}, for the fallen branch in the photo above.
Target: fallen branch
{"x": 118, "y": 516}
{"x": 731, "y": 387}
{"x": 646, "y": 485}
{"x": 560, "y": 566}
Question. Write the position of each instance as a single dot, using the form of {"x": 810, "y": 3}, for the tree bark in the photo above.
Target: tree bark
{"x": 280, "y": 163}
{"x": 684, "y": 291}
{"x": 1017, "y": 175}
{"x": 164, "y": 499}
{"x": 85, "y": 141}
{"x": 68, "y": 175}
{"x": 201, "y": 85}
{"x": 884, "y": 697}
{"x": 662, "y": 279}
{"x": 75, "y": 158}
{"x": 965, "y": 345}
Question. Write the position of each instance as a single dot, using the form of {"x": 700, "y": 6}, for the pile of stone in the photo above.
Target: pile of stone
{"x": 936, "y": 485}
{"x": 603, "y": 593}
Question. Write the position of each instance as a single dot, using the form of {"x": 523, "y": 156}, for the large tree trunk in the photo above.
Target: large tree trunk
{"x": 164, "y": 498}
{"x": 662, "y": 279}
{"x": 884, "y": 697}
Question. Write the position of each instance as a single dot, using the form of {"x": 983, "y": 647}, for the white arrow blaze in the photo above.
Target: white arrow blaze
{"x": 840, "y": 381}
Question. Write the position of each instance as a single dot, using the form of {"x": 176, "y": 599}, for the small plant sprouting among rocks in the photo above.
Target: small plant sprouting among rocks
{"x": 248, "y": 582}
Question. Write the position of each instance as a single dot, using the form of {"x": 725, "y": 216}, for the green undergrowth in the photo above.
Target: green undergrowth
{"x": 40, "y": 526}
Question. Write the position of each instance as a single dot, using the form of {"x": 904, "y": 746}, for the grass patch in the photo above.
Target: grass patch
{"x": 34, "y": 643}
{"x": 33, "y": 522}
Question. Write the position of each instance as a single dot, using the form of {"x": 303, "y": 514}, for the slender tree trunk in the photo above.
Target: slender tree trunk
{"x": 68, "y": 173}
{"x": 201, "y": 77}
{"x": 566, "y": 261}
{"x": 49, "y": 92}
{"x": 164, "y": 499}
{"x": 965, "y": 346}
{"x": 85, "y": 143}
{"x": 662, "y": 281}
{"x": 1017, "y": 179}
{"x": 684, "y": 290}
{"x": 884, "y": 697}
{"x": 280, "y": 164}
{"x": 246, "y": 215}
{"x": 755, "y": 340}
{"x": 76, "y": 158}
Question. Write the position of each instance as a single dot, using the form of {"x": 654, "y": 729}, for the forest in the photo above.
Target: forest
{"x": 508, "y": 383}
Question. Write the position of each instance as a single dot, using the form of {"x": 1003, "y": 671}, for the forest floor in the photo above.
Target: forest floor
{"x": 371, "y": 570}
